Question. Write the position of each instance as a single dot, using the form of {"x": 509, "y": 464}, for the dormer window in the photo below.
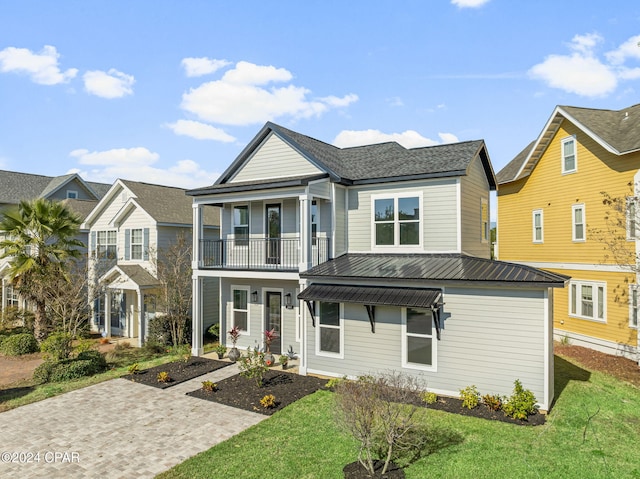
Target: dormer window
{"x": 569, "y": 156}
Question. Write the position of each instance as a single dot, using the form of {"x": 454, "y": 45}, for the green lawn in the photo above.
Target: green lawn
{"x": 593, "y": 431}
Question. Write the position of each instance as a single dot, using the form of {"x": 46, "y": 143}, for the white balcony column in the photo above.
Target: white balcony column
{"x": 305, "y": 232}
{"x": 304, "y": 316}
{"x": 3, "y": 297}
{"x": 197, "y": 235}
{"x": 141, "y": 318}
{"x": 197, "y": 331}
{"x": 107, "y": 312}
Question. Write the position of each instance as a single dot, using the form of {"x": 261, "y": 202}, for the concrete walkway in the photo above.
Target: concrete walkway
{"x": 116, "y": 429}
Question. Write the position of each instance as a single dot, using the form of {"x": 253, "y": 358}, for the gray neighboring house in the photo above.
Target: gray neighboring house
{"x": 127, "y": 228}
{"x": 79, "y": 195}
{"x": 370, "y": 259}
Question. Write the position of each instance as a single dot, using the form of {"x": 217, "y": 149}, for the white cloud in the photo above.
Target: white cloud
{"x": 41, "y": 67}
{"x": 195, "y": 67}
{"x": 243, "y": 97}
{"x": 111, "y": 84}
{"x": 199, "y": 131}
{"x": 138, "y": 164}
{"x": 408, "y": 138}
{"x": 395, "y": 101}
{"x": 469, "y": 3}
{"x": 583, "y": 73}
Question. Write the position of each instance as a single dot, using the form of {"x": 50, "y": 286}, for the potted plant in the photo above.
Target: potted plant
{"x": 284, "y": 361}
{"x": 220, "y": 349}
{"x": 234, "y": 334}
{"x": 269, "y": 336}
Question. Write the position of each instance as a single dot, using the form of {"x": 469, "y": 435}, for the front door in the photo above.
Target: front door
{"x": 272, "y": 227}
{"x": 273, "y": 319}
{"x": 118, "y": 313}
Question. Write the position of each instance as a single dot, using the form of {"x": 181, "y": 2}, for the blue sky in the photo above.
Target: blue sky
{"x": 170, "y": 92}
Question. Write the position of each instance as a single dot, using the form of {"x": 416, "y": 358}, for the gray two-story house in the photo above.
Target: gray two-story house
{"x": 370, "y": 259}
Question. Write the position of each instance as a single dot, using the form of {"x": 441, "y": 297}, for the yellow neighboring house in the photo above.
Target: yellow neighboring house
{"x": 550, "y": 207}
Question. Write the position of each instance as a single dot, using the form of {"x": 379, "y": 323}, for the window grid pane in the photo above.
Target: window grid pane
{"x": 587, "y": 301}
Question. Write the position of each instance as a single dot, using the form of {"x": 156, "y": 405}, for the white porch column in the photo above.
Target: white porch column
{"x": 3, "y": 297}
{"x": 197, "y": 234}
{"x": 107, "y": 312}
{"x": 141, "y": 318}
{"x": 196, "y": 324}
{"x": 305, "y": 232}
{"x": 304, "y": 312}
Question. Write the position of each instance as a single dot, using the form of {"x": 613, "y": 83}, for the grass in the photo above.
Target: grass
{"x": 27, "y": 392}
{"x": 592, "y": 431}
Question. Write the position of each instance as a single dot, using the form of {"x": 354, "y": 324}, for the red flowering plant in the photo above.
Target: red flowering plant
{"x": 234, "y": 334}
{"x": 269, "y": 336}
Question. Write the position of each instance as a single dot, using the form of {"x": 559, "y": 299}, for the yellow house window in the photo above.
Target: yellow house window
{"x": 588, "y": 300}
{"x": 578, "y": 223}
{"x": 569, "y": 157}
{"x": 633, "y": 305}
{"x": 538, "y": 233}
{"x": 632, "y": 217}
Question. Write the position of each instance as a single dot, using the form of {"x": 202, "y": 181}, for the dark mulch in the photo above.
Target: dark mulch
{"x": 355, "y": 470}
{"x": 179, "y": 371}
{"x": 244, "y": 393}
{"x": 454, "y": 405}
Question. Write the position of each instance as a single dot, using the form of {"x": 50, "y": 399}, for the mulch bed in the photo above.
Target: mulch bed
{"x": 355, "y": 470}
{"x": 243, "y": 393}
{"x": 179, "y": 371}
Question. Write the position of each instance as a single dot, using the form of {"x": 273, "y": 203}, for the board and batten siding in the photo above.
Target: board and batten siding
{"x": 491, "y": 337}
{"x": 255, "y": 338}
{"x": 474, "y": 188}
{"x": 439, "y": 213}
{"x": 274, "y": 159}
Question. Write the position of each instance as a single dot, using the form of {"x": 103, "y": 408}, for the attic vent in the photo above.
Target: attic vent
{"x": 123, "y": 197}
{"x": 626, "y": 115}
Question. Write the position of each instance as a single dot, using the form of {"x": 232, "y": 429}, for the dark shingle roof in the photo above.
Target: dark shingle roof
{"x": 80, "y": 207}
{"x": 138, "y": 274}
{"x": 170, "y": 205}
{"x": 432, "y": 267}
{"x": 16, "y": 186}
{"x": 617, "y": 130}
{"x": 370, "y": 163}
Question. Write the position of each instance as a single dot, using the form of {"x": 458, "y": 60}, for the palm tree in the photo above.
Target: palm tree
{"x": 39, "y": 239}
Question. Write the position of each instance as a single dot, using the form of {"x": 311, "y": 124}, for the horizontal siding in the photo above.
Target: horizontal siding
{"x": 440, "y": 212}
{"x": 210, "y": 301}
{"x": 490, "y": 338}
{"x": 274, "y": 159}
{"x": 552, "y": 192}
{"x": 320, "y": 189}
{"x": 616, "y": 329}
{"x": 341, "y": 220}
{"x": 474, "y": 188}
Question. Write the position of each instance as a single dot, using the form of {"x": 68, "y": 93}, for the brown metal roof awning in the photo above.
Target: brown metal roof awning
{"x": 370, "y": 296}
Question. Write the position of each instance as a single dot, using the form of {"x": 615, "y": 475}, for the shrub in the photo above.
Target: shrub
{"x": 333, "y": 382}
{"x": 134, "y": 368}
{"x": 214, "y": 331}
{"x": 209, "y": 386}
{"x": 428, "y": 397}
{"x": 268, "y": 401}
{"x": 154, "y": 347}
{"x": 19, "y": 344}
{"x": 220, "y": 349}
{"x": 57, "y": 346}
{"x": 160, "y": 330}
{"x": 83, "y": 345}
{"x": 252, "y": 366}
{"x": 470, "y": 397}
{"x": 87, "y": 363}
{"x": 163, "y": 377}
{"x": 492, "y": 401}
{"x": 521, "y": 403}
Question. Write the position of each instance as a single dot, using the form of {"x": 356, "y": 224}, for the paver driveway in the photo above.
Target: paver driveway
{"x": 115, "y": 429}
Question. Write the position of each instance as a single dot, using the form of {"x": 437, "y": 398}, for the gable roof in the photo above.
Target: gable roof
{"x": 617, "y": 131}
{"x": 16, "y": 186}
{"x": 432, "y": 267}
{"x": 375, "y": 163}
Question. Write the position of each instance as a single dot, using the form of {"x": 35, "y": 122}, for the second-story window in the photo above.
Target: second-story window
{"x": 538, "y": 236}
{"x": 569, "y": 158}
{"x": 396, "y": 221}
{"x": 106, "y": 245}
{"x": 632, "y": 217}
{"x": 578, "y": 224}
{"x": 136, "y": 244}
{"x": 241, "y": 224}
{"x": 314, "y": 222}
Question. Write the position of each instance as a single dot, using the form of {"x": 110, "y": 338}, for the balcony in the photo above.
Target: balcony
{"x": 259, "y": 254}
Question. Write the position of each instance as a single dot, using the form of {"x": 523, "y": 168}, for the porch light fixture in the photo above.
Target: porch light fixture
{"x": 254, "y": 297}
{"x": 287, "y": 301}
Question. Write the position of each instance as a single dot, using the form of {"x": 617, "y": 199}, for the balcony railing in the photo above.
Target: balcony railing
{"x": 282, "y": 254}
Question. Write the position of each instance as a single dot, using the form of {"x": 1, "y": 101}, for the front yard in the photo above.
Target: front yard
{"x": 593, "y": 431}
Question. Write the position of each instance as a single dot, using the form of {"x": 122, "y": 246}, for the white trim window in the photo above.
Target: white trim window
{"x": 106, "y": 247}
{"x": 484, "y": 220}
{"x": 578, "y": 223}
{"x": 72, "y": 195}
{"x": 588, "y": 300}
{"x": 569, "y": 155}
{"x": 12, "y": 296}
{"x": 633, "y": 305}
{"x": 397, "y": 220}
{"x": 418, "y": 342}
{"x": 240, "y": 308}
{"x": 241, "y": 224}
{"x": 137, "y": 244}
{"x": 330, "y": 330}
{"x": 632, "y": 218}
{"x": 538, "y": 226}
